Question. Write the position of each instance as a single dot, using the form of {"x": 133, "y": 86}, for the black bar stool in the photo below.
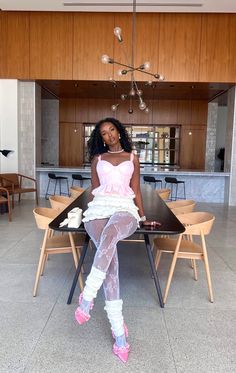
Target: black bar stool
{"x": 79, "y": 178}
{"x": 173, "y": 181}
{"x": 56, "y": 179}
{"x": 151, "y": 179}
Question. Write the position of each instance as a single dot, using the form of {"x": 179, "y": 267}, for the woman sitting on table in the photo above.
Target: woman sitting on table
{"x": 113, "y": 215}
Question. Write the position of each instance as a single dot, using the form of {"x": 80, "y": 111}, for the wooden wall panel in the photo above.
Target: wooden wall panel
{"x": 191, "y": 115}
{"x": 14, "y": 45}
{"x": 70, "y": 145}
{"x": 165, "y": 112}
{"x": 93, "y": 37}
{"x": 147, "y": 36}
{"x": 67, "y": 110}
{"x": 179, "y": 46}
{"x": 192, "y": 147}
{"x": 51, "y": 45}
{"x": 218, "y": 48}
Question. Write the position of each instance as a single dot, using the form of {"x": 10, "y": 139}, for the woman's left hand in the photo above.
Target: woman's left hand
{"x": 152, "y": 223}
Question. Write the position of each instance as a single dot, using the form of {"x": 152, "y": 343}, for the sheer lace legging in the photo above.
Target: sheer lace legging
{"x": 105, "y": 234}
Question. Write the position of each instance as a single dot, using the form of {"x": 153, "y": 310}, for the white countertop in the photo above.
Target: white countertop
{"x": 147, "y": 170}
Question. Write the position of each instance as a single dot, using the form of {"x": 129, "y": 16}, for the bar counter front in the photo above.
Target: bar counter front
{"x": 202, "y": 186}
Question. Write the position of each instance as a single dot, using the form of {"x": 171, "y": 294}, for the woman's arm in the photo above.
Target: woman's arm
{"x": 94, "y": 176}
{"x": 135, "y": 185}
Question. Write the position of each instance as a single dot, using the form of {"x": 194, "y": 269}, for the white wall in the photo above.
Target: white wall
{"x": 9, "y": 124}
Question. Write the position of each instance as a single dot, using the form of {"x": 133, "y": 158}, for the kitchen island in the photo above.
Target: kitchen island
{"x": 202, "y": 186}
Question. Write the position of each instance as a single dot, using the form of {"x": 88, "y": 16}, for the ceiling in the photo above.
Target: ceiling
{"x": 162, "y": 90}
{"x": 183, "y": 6}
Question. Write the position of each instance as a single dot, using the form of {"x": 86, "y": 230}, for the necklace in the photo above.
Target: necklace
{"x": 115, "y": 152}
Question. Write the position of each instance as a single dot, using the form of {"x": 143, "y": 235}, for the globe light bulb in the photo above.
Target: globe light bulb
{"x": 119, "y": 72}
{"x": 190, "y": 133}
{"x": 132, "y": 92}
{"x": 106, "y": 59}
{"x": 130, "y": 111}
{"x": 147, "y": 110}
{"x": 139, "y": 92}
{"x": 114, "y": 107}
{"x": 149, "y": 82}
{"x": 146, "y": 65}
{"x": 117, "y": 33}
{"x": 142, "y": 106}
{"x": 123, "y": 97}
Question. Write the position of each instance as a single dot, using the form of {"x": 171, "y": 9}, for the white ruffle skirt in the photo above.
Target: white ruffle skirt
{"x": 104, "y": 206}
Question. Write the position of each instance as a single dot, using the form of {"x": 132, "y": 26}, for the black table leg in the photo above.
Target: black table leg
{"x": 76, "y": 276}
{"x": 154, "y": 273}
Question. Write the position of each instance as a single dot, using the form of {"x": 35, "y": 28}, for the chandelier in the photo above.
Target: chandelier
{"x": 134, "y": 92}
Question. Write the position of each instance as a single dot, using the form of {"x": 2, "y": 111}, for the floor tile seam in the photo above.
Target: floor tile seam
{"x": 14, "y": 245}
{"x": 169, "y": 341}
{"x": 227, "y": 265}
{"x": 38, "y": 339}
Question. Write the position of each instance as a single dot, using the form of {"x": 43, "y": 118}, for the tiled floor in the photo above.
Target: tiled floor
{"x": 190, "y": 335}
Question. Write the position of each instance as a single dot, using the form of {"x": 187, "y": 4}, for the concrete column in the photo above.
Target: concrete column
{"x": 211, "y": 136}
{"x": 230, "y": 148}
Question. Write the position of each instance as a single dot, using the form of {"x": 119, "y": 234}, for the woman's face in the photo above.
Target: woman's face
{"x": 109, "y": 133}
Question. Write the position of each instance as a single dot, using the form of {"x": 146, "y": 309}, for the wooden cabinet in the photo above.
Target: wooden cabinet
{"x": 93, "y": 37}
{"x": 179, "y": 46}
{"x": 192, "y": 147}
{"x": 218, "y": 48}
{"x": 14, "y": 45}
{"x": 70, "y": 145}
{"x": 51, "y": 36}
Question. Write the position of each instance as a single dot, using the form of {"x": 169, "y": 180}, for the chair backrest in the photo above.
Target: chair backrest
{"x": 60, "y": 202}
{"x": 181, "y": 206}
{"x": 163, "y": 193}
{"x": 52, "y": 175}
{"x": 169, "y": 179}
{"x": 197, "y": 223}
{"x": 44, "y": 216}
{"x": 8, "y": 179}
{"x": 76, "y": 191}
{"x": 149, "y": 179}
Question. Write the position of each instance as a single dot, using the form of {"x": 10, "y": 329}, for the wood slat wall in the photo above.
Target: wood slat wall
{"x": 191, "y": 115}
{"x": 51, "y": 45}
{"x": 51, "y": 36}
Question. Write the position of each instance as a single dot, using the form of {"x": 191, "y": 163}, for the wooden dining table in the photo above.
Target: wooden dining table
{"x": 155, "y": 209}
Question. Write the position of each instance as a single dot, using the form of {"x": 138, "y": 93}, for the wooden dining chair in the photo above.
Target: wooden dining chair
{"x": 164, "y": 193}
{"x": 55, "y": 244}
{"x": 196, "y": 224}
{"x": 5, "y": 199}
{"x": 76, "y": 191}
{"x": 183, "y": 206}
{"x": 60, "y": 202}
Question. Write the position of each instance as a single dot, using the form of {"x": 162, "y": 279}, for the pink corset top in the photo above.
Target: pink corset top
{"x": 115, "y": 180}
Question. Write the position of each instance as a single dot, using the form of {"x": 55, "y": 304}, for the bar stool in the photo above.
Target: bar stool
{"x": 80, "y": 178}
{"x": 56, "y": 179}
{"x": 173, "y": 181}
{"x": 151, "y": 179}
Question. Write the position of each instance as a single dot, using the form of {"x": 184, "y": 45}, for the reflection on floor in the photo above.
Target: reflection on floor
{"x": 189, "y": 335}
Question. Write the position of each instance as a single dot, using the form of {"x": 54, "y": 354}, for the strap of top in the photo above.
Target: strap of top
{"x": 99, "y": 157}
{"x": 132, "y": 156}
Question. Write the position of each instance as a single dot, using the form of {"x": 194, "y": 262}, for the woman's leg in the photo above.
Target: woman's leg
{"x": 119, "y": 226}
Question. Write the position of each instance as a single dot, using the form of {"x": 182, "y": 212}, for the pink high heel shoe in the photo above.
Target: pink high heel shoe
{"x": 80, "y": 316}
{"x": 122, "y": 352}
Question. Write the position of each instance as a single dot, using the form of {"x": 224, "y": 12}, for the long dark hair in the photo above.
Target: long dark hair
{"x": 96, "y": 144}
